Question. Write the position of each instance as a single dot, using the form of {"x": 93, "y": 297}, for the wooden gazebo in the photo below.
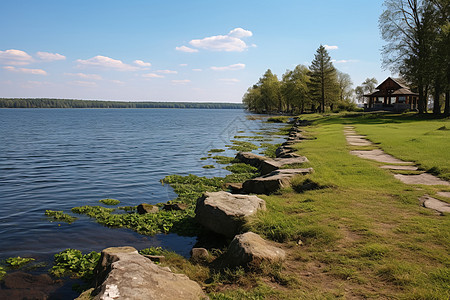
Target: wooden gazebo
{"x": 392, "y": 94}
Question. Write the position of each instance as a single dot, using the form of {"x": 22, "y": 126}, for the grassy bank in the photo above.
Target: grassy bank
{"x": 362, "y": 234}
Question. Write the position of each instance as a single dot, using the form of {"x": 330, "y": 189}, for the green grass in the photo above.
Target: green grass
{"x": 243, "y": 146}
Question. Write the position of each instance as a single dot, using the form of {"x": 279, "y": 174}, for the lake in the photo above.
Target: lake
{"x": 61, "y": 158}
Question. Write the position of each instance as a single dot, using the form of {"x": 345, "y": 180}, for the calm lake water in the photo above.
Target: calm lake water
{"x": 61, "y": 158}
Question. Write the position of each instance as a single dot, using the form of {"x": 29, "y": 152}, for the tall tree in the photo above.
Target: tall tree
{"x": 270, "y": 92}
{"x": 345, "y": 87}
{"x": 294, "y": 88}
{"x": 323, "y": 85}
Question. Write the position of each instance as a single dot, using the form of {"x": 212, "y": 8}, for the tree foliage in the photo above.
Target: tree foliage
{"x": 324, "y": 87}
{"x": 302, "y": 89}
{"x": 417, "y": 36}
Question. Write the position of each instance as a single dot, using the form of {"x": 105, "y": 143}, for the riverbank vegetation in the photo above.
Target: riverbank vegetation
{"x": 317, "y": 88}
{"x": 70, "y": 103}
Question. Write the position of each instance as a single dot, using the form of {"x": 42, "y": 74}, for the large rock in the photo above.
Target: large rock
{"x": 145, "y": 208}
{"x": 122, "y": 273}
{"x": 250, "y": 249}
{"x": 267, "y": 165}
{"x": 273, "y": 181}
{"x": 225, "y": 213}
{"x": 252, "y": 159}
{"x": 271, "y": 165}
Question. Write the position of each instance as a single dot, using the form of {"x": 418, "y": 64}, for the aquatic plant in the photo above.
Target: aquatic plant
{"x": 243, "y": 146}
{"x": 58, "y": 215}
{"x": 208, "y": 167}
{"x": 72, "y": 262}
{"x": 2, "y": 273}
{"x": 223, "y": 160}
{"x": 109, "y": 201}
{"x": 216, "y": 150}
{"x": 18, "y": 261}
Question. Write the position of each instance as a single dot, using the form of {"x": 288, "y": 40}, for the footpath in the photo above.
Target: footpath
{"x": 395, "y": 164}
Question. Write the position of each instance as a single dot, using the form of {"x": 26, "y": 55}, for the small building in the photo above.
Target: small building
{"x": 393, "y": 94}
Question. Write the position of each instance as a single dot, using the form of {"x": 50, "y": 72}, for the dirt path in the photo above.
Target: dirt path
{"x": 354, "y": 139}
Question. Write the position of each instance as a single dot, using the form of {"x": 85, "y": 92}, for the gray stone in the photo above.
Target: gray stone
{"x": 432, "y": 203}
{"x": 145, "y": 208}
{"x": 252, "y": 159}
{"x": 199, "y": 254}
{"x": 250, "y": 249}
{"x": 123, "y": 273}
{"x": 273, "y": 181}
{"x": 425, "y": 179}
{"x": 225, "y": 213}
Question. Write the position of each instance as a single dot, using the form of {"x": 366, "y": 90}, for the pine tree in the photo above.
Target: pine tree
{"x": 323, "y": 85}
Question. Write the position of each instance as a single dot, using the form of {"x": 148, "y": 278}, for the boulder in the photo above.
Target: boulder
{"x": 20, "y": 285}
{"x": 267, "y": 165}
{"x": 122, "y": 273}
{"x": 175, "y": 206}
{"x": 225, "y": 213}
{"x": 271, "y": 165}
{"x": 145, "y": 208}
{"x": 199, "y": 254}
{"x": 251, "y": 249}
{"x": 273, "y": 181}
{"x": 252, "y": 159}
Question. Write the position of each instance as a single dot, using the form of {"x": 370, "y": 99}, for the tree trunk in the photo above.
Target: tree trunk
{"x": 437, "y": 92}
{"x": 447, "y": 103}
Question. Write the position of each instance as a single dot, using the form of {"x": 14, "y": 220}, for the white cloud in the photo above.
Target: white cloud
{"x": 15, "y": 57}
{"x": 47, "y": 56}
{"x": 152, "y": 75}
{"x": 240, "y": 33}
{"x": 25, "y": 70}
{"x": 105, "y": 62}
{"x": 118, "y": 82}
{"x": 186, "y": 49}
{"x": 84, "y": 83}
{"x": 344, "y": 61}
{"x": 85, "y": 76}
{"x": 182, "y": 81}
{"x": 229, "y": 68}
{"x": 141, "y": 63}
{"x": 229, "y": 80}
{"x": 167, "y": 72}
{"x": 197, "y": 70}
{"x": 230, "y": 42}
{"x": 327, "y": 47}
{"x": 33, "y": 84}
{"x": 183, "y": 65}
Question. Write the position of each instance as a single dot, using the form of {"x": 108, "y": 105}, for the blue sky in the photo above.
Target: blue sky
{"x": 202, "y": 51}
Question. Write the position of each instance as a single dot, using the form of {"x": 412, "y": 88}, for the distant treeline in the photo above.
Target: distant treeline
{"x": 69, "y": 103}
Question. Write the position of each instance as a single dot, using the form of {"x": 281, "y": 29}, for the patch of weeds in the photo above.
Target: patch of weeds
{"x": 216, "y": 150}
{"x": 17, "y": 262}
{"x": 224, "y": 160}
{"x": 127, "y": 208}
{"x": 374, "y": 251}
{"x": 208, "y": 167}
{"x": 243, "y": 146}
{"x": 58, "y": 215}
{"x": 109, "y": 201}
{"x": 2, "y": 273}
{"x": 152, "y": 251}
{"x": 269, "y": 149}
{"x": 72, "y": 262}
{"x": 240, "y": 168}
{"x": 341, "y": 272}
{"x": 275, "y": 271}
{"x": 398, "y": 273}
{"x": 278, "y": 119}
{"x": 204, "y": 158}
